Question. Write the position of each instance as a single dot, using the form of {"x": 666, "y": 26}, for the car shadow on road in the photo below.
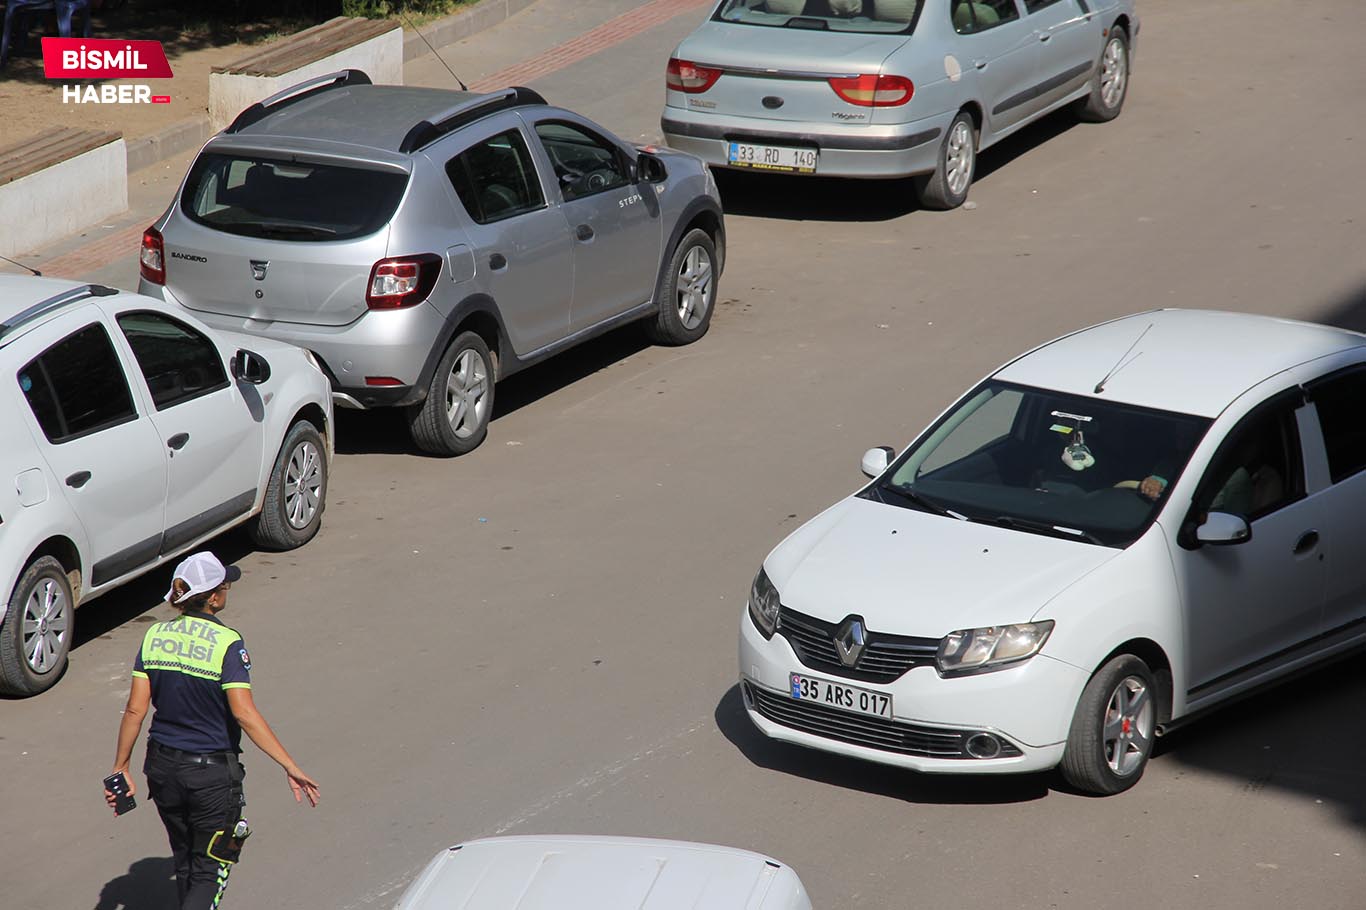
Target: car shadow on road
{"x": 879, "y": 780}
{"x": 796, "y": 198}
{"x": 385, "y": 431}
{"x": 1304, "y": 737}
{"x": 149, "y": 884}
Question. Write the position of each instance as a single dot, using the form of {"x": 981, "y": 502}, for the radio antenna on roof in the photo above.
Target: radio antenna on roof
{"x": 434, "y": 51}
{"x": 1121, "y": 363}
{"x": 26, "y": 268}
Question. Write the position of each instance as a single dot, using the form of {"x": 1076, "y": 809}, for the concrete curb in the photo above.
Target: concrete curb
{"x": 457, "y": 26}
{"x": 181, "y": 136}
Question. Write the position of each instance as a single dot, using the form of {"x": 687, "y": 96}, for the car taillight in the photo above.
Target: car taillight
{"x": 686, "y": 76}
{"x": 402, "y": 281}
{"x": 874, "y": 91}
{"x": 152, "y": 257}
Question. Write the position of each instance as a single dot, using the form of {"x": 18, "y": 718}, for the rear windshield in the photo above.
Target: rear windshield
{"x": 289, "y": 200}
{"x": 875, "y": 16}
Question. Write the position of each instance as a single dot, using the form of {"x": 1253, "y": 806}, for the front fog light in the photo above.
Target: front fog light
{"x": 763, "y": 604}
{"x": 991, "y": 648}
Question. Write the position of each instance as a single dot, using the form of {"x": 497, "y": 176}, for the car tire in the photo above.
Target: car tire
{"x": 296, "y": 493}
{"x": 1113, "y": 729}
{"x": 1109, "y": 83}
{"x": 687, "y": 292}
{"x": 454, "y": 417}
{"x": 35, "y": 638}
{"x": 947, "y": 187}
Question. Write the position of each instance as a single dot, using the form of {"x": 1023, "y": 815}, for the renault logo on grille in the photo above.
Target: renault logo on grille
{"x": 258, "y": 268}
{"x": 849, "y": 641}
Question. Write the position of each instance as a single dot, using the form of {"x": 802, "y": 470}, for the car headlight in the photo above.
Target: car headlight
{"x": 992, "y": 648}
{"x": 763, "y": 604}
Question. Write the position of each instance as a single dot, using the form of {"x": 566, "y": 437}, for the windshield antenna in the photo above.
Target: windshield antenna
{"x": 1120, "y": 363}
{"x": 26, "y": 268}
{"x": 462, "y": 85}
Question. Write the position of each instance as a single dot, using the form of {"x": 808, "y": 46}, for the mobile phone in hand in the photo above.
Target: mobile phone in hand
{"x": 117, "y": 784}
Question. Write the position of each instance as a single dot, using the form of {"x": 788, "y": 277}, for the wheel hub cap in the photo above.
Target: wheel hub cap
{"x": 1128, "y": 729}
{"x": 694, "y": 287}
{"x": 467, "y": 394}
{"x": 45, "y": 626}
{"x": 958, "y": 161}
{"x": 303, "y": 485}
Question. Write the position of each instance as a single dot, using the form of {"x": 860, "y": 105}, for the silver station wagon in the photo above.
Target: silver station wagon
{"x": 890, "y": 88}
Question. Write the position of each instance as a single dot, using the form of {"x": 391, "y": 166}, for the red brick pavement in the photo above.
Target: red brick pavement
{"x": 96, "y": 254}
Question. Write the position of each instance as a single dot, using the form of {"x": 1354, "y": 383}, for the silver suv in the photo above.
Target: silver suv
{"x": 424, "y": 243}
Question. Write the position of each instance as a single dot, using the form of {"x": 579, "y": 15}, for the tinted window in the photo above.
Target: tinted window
{"x": 177, "y": 362}
{"x": 77, "y": 386}
{"x": 1033, "y": 6}
{"x": 1343, "y": 418}
{"x": 289, "y": 200}
{"x": 1257, "y": 470}
{"x": 496, "y": 178}
{"x": 879, "y": 16}
{"x": 584, "y": 164}
{"x": 978, "y": 15}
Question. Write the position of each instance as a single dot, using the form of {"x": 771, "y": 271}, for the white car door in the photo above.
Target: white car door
{"x": 212, "y": 440}
{"x": 99, "y": 442}
{"x": 1255, "y": 605}
{"x": 1337, "y": 401}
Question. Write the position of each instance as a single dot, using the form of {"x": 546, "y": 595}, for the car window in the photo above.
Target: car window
{"x": 178, "y": 363}
{"x": 970, "y": 16}
{"x": 875, "y": 16}
{"x": 1033, "y": 6}
{"x": 77, "y": 386}
{"x": 255, "y": 196}
{"x": 1257, "y": 469}
{"x": 1338, "y": 401}
{"x": 584, "y": 164}
{"x": 496, "y": 178}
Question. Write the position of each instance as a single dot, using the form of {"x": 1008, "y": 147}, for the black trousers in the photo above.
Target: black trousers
{"x": 195, "y": 801}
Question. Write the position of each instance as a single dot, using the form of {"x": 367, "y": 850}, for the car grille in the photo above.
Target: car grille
{"x": 862, "y": 730}
{"x": 884, "y": 659}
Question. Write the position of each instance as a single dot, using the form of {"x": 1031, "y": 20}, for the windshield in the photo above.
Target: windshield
{"x": 255, "y": 196}
{"x": 875, "y": 16}
{"x": 1046, "y": 462}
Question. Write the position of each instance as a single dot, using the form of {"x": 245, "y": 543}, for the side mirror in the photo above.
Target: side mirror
{"x": 249, "y": 366}
{"x": 875, "y": 461}
{"x": 650, "y": 169}
{"x": 1223, "y": 529}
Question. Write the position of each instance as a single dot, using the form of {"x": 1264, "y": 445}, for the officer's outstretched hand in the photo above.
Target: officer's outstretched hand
{"x": 301, "y": 784}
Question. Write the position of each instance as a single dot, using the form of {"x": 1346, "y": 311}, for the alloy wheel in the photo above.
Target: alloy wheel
{"x": 467, "y": 394}
{"x": 1114, "y": 73}
{"x": 303, "y": 485}
{"x": 694, "y": 287}
{"x": 958, "y": 158}
{"x": 1127, "y": 734}
{"x": 46, "y": 624}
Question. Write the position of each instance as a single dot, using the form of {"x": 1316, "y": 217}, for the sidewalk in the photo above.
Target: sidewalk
{"x": 536, "y": 43}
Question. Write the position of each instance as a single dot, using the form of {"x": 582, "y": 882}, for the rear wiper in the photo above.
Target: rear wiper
{"x": 1039, "y": 527}
{"x": 929, "y": 505}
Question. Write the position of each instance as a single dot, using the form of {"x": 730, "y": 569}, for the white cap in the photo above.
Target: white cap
{"x": 202, "y": 572}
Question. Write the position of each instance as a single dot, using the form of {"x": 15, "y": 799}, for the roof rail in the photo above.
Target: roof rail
{"x": 260, "y": 109}
{"x": 427, "y": 131}
{"x": 55, "y": 302}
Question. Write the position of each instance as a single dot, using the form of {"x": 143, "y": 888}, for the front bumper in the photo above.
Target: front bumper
{"x": 382, "y": 343}
{"x": 1028, "y": 707}
{"x": 874, "y": 151}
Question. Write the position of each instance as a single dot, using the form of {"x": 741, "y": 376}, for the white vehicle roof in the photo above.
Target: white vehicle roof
{"x": 602, "y": 873}
{"x": 1189, "y": 361}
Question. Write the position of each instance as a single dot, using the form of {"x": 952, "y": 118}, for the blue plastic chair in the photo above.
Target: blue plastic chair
{"x": 17, "y": 11}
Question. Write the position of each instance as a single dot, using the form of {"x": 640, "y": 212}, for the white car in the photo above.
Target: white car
{"x": 132, "y": 434}
{"x": 601, "y": 873}
{"x": 1108, "y": 535}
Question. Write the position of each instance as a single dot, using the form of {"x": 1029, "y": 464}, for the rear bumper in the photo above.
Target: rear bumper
{"x": 890, "y": 150}
{"x": 390, "y": 344}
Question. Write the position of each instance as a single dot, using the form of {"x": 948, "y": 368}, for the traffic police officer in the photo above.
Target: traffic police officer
{"x": 195, "y": 672}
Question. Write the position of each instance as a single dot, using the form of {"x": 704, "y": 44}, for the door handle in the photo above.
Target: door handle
{"x": 78, "y": 480}
{"x": 1308, "y": 541}
{"x": 980, "y": 64}
{"x": 178, "y": 441}
{"x": 498, "y": 262}
{"x": 584, "y": 232}
{"x": 1045, "y": 36}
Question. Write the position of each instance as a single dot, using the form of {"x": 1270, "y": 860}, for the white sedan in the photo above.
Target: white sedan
{"x": 134, "y": 433}
{"x": 575, "y": 872}
{"x": 1108, "y": 535}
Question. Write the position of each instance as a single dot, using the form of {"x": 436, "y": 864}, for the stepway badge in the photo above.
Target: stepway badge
{"x": 106, "y": 58}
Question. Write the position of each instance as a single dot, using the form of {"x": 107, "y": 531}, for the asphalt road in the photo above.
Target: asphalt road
{"x": 540, "y": 637}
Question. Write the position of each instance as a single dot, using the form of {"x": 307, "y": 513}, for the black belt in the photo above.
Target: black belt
{"x": 194, "y": 758}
